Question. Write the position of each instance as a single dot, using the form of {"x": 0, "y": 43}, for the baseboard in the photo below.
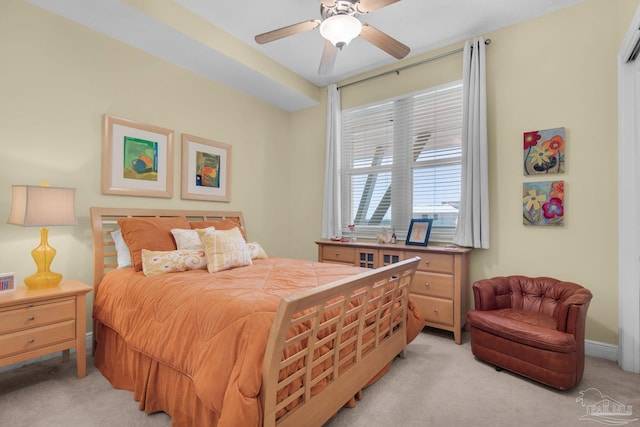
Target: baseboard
{"x": 88, "y": 344}
{"x": 601, "y": 350}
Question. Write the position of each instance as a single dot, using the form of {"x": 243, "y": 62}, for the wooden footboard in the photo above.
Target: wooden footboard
{"x": 349, "y": 330}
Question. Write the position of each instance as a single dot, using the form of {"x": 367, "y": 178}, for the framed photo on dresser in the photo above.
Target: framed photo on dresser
{"x": 419, "y": 232}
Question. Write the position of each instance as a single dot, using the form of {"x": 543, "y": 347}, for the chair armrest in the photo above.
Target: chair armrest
{"x": 572, "y": 315}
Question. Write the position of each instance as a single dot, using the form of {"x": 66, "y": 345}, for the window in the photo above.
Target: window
{"x": 401, "y": 159}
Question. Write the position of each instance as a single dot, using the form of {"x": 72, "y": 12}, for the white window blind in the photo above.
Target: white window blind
{"x": 401, "y": 159}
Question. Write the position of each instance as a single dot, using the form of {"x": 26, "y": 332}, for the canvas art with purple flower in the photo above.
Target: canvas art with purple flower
{"x": 543, "y": 203}
{"x": 544, "y": 151}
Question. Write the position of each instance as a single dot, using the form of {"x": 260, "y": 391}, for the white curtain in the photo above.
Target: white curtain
{"x": 473, "y": 218}
{"x": 331, "y": 223}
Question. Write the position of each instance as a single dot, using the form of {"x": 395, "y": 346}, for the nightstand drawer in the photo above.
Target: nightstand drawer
{"x": 432, "y": 284}
{"x": 434, "y": 309}
{"x": 338, "y": 253}
{"x": 31, "y": 339}
{"x": 441, "y": 263}
{"x": 25, "y": 316}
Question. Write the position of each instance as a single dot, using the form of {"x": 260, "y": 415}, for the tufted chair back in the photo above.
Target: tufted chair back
{"x": 544, "y": 295}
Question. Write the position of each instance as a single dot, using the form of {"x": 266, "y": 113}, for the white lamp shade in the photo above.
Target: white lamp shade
{"x": 340, "y": 29}
{"x": 42, "y": 206}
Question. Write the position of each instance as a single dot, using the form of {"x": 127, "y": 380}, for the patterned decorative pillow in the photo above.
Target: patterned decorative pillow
{"x": 224, "y": 249}
{"x": 188, "y": 239}
{"x": 256, "y": 250}
{"x": 161, "y": 262}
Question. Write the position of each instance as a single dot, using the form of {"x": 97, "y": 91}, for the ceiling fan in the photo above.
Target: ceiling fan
{"x": 339, "y": 25}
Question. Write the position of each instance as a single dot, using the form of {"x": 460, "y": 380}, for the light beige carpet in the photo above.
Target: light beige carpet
{"x": 438, "y": 384}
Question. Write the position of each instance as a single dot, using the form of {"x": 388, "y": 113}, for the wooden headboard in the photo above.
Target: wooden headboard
{"x": 105, "y": 220}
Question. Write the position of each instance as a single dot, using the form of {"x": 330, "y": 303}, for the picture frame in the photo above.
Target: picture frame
{"x": 137, "y": 158}
{"x": 7, "y": 282}
{"x": 419, "y": 231}
{"x": 206, "y": 169}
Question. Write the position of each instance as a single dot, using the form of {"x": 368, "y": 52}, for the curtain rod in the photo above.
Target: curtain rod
{"x": 397, "y": 70}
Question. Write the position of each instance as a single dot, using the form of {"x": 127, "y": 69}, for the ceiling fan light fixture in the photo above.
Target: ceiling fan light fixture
{"x": 340, "y": 29}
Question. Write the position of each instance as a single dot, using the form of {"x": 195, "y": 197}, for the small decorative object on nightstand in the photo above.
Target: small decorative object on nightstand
{"x": 7, "y": 282}
{"x": 42, "y": 206}
{"x": 36, "y": 322}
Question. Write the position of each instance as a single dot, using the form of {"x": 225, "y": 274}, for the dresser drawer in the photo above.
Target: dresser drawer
{"x": 432, "y": 284}
{"x": 31, "y": 339}
{"x": 434, "y": 309}
{"x": 340, "y": 254}
{"x": 441, "y": 263}
{"x": 25, "y": 316}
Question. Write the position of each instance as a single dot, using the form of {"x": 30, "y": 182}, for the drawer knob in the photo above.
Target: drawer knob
{"x": 337, "y": 255}
{"x": 435, "y": 310}
{"x": 426, "y": 284}
{"x": 32, "y": 318}
{"x": 426, "y": 261}
{"x": 31, "y": 340}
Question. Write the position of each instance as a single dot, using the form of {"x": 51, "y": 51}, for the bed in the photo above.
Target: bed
{"x": 277, "y": 342}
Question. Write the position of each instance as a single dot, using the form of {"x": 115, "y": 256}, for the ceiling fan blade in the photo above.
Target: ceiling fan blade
{"x": 286, "y": 31}
{"x": 367, "y": 6}
{"x": 383, "y": 41}
{"x": 328, "y": 58}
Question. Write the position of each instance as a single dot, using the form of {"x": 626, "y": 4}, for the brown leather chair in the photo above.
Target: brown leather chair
{"x": 531, "y": 326}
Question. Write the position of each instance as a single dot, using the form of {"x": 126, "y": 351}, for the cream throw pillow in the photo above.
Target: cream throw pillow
{"x": 256, "y": 250}
{"x": 161, "y": 262}
{"x": 224, "y": 249}
{"x": 188, "y": 239}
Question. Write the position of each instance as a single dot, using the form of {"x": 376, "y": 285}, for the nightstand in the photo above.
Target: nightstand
{"x": 35, "y": 322}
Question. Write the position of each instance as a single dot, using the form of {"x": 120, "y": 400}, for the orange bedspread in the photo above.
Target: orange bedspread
{"x": 213, "y": 328}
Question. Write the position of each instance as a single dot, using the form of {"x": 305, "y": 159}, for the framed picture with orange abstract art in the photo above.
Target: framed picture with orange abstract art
{"x": 137, "y": 159}
{"x": 205, "y": 169}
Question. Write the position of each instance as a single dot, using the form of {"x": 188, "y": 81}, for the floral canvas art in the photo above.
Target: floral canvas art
{"x": 544, "y": 151}
{"x": 543, "y": 203}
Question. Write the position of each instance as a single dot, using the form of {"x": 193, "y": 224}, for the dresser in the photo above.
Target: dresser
{"x": 36, "y": 322}
{"x": 440, "y": 287}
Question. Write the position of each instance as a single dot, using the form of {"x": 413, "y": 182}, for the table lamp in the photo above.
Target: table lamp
{"x": 42, "y": 206}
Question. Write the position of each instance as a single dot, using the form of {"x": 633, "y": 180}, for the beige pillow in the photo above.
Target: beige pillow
{"x": 256, "y": 250}
{"x": 188, "y": 239}
{"x": 224, "y": 249}
{"x": 161, "y": 262}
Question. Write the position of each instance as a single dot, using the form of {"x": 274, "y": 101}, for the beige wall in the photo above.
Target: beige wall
{"x": 59, "y": 78}
{"x": 552, "y": 71}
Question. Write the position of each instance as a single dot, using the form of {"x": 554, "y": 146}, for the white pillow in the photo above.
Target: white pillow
{"x": 122, "y": 250}
{"x": 256, "y": 250}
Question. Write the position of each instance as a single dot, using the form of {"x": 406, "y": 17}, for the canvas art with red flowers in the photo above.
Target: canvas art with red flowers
{"x": 544, "y": 151}
{"x": 543, "y": 203}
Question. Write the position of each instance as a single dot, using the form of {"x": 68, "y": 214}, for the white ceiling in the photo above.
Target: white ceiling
{"x": 423, "y": 25}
